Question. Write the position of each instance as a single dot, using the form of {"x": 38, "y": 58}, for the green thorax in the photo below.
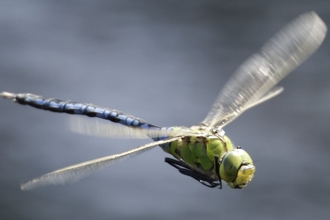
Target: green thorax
{"x": 200, "y": 151}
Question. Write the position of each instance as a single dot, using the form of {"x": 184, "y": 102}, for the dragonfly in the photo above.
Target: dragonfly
{"x": 201, "y": 151}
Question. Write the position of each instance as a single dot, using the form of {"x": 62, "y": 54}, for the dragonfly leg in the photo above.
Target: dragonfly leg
{"x": 186, "y": 170}
{"x": 217, "y": 170}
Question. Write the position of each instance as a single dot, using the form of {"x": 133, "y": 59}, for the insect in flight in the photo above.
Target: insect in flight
{"x": 202, "y": 151}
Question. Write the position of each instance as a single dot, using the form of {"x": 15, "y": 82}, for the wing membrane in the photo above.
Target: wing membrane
{"x": 270, "y": 94}
{"x": 76, "y": 172}
{"x": 94, "y": 127}
{"x": 100, "y": 128}
{"x": 262, "y": 71}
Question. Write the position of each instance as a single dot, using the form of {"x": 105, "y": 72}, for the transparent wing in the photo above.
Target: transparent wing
{"x": 257, "y": 75}
{"x": 95, "y": 127}
{"x": 270, "y": 94}
{"x": 76, "y": 172}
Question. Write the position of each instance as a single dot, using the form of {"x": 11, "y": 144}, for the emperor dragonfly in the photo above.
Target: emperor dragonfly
{"x": 202, "y": 151}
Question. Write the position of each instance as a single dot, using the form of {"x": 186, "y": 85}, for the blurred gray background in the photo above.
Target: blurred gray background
{"x": 165, "y": 62}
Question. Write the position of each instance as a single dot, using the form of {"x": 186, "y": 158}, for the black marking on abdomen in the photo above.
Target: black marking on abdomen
{"x": 71, "y": 107}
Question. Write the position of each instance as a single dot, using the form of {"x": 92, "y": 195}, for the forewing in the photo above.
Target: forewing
{"x": 259, "y": 73}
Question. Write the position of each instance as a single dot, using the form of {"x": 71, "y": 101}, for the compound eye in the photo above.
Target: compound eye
{"x": 237, "y": 168}
{"x": 230, "y": 165}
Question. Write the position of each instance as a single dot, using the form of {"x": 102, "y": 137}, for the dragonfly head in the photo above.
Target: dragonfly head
{"x": 237, "y": 168}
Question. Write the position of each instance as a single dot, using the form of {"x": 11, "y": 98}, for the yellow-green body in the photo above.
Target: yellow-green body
{"x": 199, "y": 152}
{"x": 201, "y": 149}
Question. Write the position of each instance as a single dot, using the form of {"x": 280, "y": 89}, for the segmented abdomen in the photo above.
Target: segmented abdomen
{"x": 71, "y": 107}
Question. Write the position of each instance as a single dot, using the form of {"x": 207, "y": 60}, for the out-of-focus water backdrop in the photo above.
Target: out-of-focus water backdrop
{"x": 165, "y": 62}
